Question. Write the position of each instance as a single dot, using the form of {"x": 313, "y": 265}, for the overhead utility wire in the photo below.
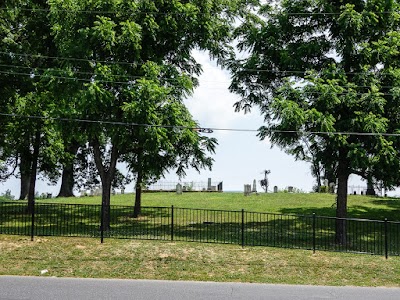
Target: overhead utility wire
{"x": 136, "y": 76}
{"x": 199, "y": 129}
{"x": 94, "y": 80}
{"x": 71, "y": 58}
{"x": 133, "y": 77}
{"x": 32, "y": 75}
{"x": 112, "y": 62}
{"x": 128, "y": 124}
{"x": 169, "y": 13}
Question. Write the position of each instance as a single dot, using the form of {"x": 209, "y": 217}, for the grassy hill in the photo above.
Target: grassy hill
{"x": 283, "y": 203}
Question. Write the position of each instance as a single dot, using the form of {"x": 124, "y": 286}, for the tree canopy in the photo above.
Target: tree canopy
{"x": 325, "y": 75}
{"x": 124, "y": 67}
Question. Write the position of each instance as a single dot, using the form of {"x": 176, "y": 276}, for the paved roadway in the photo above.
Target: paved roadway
{"x": 35, "y": 288}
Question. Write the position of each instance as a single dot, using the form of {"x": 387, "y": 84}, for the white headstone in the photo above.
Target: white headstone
{"x": 247, "y": 189}
{"x": 254, "y": 190}
{"x": 332, "y": 186}
{"x": 179, "y": 189}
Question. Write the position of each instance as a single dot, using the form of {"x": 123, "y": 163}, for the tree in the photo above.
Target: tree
{"x": 172, "y": 143}
{"x": 125, "y": 48}
{"x": 264, "y": 182}
{"x": 321, "y": 71}
{"x": 30, "y": 143}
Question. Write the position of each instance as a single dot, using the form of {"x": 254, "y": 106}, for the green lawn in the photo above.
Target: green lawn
{"x": 80, "y": 257}
{"x": 219, "y": 220}
{"x": 283, "y": 203}
{"x": 179, "y": 260}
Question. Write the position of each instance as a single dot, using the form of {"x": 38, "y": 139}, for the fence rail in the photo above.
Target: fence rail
{"x": 201, "y": 225}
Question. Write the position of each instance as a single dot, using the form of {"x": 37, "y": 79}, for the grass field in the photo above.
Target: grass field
{"x": 80, "y": 257}
{"x": 84, "y": 257}
{"x": 283, "y": 203}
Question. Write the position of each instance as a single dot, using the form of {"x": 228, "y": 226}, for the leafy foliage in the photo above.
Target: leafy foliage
{"x": 325, "y": 75}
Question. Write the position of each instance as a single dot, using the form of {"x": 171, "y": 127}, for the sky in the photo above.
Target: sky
{"x": 240, "y": 156}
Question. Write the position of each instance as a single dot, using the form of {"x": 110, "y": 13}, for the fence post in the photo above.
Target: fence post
{"x": 242, "y": 228}
{"x": 172, "y": 222}
{"x": 102, "y": 223}
{"x": 313, "y": 234}
{"x": 33, "y": 220}
{"x": 386, "y": 239}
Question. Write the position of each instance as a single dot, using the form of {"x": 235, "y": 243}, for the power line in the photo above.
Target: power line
{"x": 112, "y": 62}
{"x": 83, "y": 73}
{"x": 305, "y": 13}
{"x": 127, "y": 124}
{"x": 31, "y": 75}
{"x": 136, "y": 76}
{"x": 94, "y": 80}
{"x": 201, "y": 129}
{"x": 71, "y": 58}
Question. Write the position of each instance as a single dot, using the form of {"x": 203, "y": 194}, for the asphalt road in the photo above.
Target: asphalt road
{"x": 13, "y": 287}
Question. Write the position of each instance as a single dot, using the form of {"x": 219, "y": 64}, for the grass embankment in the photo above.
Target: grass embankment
{"x": 81, "y": 257}
{"x": 282, "y": 203}
{"x": 78, "y": 257}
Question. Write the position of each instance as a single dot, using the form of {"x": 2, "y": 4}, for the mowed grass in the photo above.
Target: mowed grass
{"x": 127, "y": 259}
{"x": 283, "y": 203}
{"x": 116, "y": 258}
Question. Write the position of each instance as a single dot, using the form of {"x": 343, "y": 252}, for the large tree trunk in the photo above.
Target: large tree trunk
{"x": 67, "y": 181}
{"x": 341, "y": 208}
{"x": 370, "y": 187}
{"x": 138, "y": 196}
{"x": 25, "y": 179}
{"x": 25, "y": 170}
{"x": 106, "y": 176}
{"x": 32, "y": 183}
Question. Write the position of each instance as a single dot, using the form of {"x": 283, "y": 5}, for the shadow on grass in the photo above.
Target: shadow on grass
{"x": 211, "y": 226}
{"x": 354, "y": 211}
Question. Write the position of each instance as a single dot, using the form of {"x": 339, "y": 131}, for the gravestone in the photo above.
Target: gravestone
{"x": 254, "y": 190}
{"x": 97, "y": 192}
{"x": 179, "y": 189}
{"x": 290, "y": 189}
{"x": 247, "y": 189}
{"x": 332, "y": 186}
{"x": 275, "y": 189}
{"x": 326, "y": 182}
{"x": 122, "y": 191}
{"x": 209, "y": 184}
{"x": 219, "y": 188}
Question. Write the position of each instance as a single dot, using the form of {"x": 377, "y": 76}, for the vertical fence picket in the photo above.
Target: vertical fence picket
{"x": 33, "y": 221}
{"x": 386, "y": 239}
{"x": 242, "y": 228}
{"x": 313, "y": 234}
{"x": 102, "y": 224}
{"x": 172, "y": 223}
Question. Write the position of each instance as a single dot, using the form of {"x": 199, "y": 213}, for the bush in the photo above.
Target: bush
{"x": 7, "y": 195}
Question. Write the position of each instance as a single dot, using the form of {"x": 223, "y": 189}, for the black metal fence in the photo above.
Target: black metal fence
{"x": 201, "y": 225}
